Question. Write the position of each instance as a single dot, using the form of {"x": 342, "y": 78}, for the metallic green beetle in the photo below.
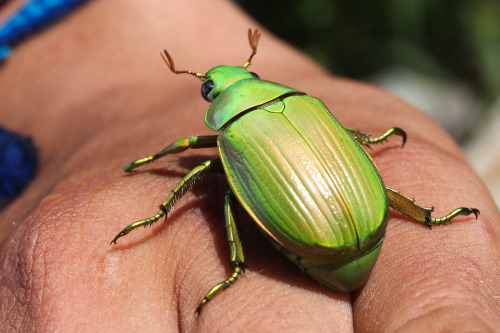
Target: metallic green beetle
{"x": 304, "y": 178}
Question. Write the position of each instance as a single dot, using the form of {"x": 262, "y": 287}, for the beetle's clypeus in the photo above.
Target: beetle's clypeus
{"x": 304, "y": 178}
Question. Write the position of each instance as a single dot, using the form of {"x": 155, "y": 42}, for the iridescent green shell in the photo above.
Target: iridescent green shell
{"x": 306, "y": 182}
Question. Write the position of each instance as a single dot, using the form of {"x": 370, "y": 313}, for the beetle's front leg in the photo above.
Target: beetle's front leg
{"x": 236, "y": 250}
{"x": 178, "y": 146}
{"x": 365, "y": 140}
{"x": 184, "y": 185}
{"x": 421, "y": 214}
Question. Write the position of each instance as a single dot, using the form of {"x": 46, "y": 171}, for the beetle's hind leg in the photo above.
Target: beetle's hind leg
{"x": 421, "y": 214}
{"x": 365, "y": 140}
{"x": 213, "y": 165}
{"x": 178, "y": 146}
{"x": 237, "y": 261}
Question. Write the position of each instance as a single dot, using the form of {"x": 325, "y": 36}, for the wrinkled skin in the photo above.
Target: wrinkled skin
{"x": 95, "y": 95}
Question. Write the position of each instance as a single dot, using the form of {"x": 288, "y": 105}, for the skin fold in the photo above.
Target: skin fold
{"x": 94, "y": 94}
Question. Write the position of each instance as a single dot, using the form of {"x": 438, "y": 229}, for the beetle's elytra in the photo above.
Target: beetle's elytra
{"x": 305, "y": 179}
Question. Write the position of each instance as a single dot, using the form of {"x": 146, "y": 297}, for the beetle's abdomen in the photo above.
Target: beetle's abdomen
{"x": 304, "y": 179}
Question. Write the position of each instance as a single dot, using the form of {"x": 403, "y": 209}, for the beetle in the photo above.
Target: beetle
{"x": 305, "y": 179}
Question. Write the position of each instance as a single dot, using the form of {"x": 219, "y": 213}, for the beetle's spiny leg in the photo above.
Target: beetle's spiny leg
{"x": 182, "y": 187}
{"x": 389, "y": 132}
{"x": 138, "y": 224}
{"x": 365, "y": 140}
{"x": 236, "y": 250}
{"x": 178, "y": 146}
{"x": 237, "y": 260}
{"x": 421, "y": 214}
{"x": 447, "y": 218}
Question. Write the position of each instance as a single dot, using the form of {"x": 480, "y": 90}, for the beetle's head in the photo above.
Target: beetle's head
{"x": 219, "y": 78}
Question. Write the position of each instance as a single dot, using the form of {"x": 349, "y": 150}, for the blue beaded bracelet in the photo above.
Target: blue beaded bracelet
{"x": 33, "y": 16}
{"x": 18, "y": 161}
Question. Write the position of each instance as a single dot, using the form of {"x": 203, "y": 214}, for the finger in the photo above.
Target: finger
{"x": 446, "y": 277}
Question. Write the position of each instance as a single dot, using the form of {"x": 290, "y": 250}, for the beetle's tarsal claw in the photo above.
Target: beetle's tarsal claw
{"x": 467, "y": 211}
{"x": 115, "y": 239}
{"x": 219, "y": 287}
{"x": 459, "y": 211}
{"x": 427, "y": 222}
{"x": 365, "y": 139}
{"x": 403, "y": 134}
{"x": 198, "y": 308}
{"x": 118, "y": 236}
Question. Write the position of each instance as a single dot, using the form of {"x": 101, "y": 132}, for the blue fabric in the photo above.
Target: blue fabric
{"x": 33, "y": 16}
{"x": 18, "y": 161}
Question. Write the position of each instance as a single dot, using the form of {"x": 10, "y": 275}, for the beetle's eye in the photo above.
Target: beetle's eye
{"x": 206, "y": 88}
{"x": 255, "y": 75}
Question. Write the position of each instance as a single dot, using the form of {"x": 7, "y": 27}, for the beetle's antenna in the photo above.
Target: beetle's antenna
{"x": 253, "y": 39}
{"x": 170, "y": 63}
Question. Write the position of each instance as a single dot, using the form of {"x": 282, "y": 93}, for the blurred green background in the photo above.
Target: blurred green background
{"x": 452, "y": 41}
{"x": 441, "y": 56}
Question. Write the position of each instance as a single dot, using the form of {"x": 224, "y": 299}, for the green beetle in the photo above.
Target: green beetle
{"x": 322, "y": 202}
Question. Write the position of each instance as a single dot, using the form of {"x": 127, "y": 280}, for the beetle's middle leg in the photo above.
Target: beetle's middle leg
{"x": 365, "y": 140}
{"x": 177, "y": 147}
{"x": 237, "y": 259}
{"x": 213, "y": 165}
{"x": 421, "y": 214}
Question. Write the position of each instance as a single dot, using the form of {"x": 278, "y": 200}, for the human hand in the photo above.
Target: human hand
{"x": 94, "y": 94}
